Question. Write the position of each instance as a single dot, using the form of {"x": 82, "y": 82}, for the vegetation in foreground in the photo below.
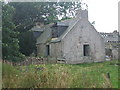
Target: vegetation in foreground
{"x": 93, "y": 75}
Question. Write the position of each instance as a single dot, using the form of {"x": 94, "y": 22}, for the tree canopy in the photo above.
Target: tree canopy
{"x": 10, "y": 47}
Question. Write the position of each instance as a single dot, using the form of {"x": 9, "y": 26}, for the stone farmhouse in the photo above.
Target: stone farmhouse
{"x": 73, "y": 41}
{"x": 112, "y": 44}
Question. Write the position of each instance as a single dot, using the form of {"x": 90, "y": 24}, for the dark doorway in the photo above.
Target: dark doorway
{"x": 86, "y": 50}
{"x": 108, "y": 52}
{"x": 48, "y": 50}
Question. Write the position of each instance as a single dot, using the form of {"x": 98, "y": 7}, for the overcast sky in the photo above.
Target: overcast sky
{"x": 104, "y": 13}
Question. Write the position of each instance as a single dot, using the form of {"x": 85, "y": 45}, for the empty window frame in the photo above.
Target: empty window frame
{"x": 86, "y": 50}
{"x": 47, "y": 50}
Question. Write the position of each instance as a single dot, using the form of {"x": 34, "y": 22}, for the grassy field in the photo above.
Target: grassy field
{"x": 93, "y": 75}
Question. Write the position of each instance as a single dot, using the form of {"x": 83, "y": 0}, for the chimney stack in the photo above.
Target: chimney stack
{"x": 82, "y": 14}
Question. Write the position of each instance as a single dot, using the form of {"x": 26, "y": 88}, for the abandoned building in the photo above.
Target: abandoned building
{"x": 74, "y": 40}
{"x": 111, "y": 44}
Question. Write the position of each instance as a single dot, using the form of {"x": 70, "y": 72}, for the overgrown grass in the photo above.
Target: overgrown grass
{"x": 92, "y": 75}
{"x": 0, "y": 75}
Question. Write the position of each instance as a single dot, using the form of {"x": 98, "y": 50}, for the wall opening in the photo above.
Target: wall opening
{"x": 108, "y": 52}
{"x": 86, "y": 50}
{"x": 47, "y": 50}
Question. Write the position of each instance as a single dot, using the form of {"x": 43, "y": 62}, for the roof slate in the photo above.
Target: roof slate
{"x": 60, "y": 29}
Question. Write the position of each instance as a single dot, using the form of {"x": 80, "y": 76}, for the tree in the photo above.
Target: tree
{"x": 28, "y": 13}
{"x": 29, "y": 44}
{"x": 10, "y": 47}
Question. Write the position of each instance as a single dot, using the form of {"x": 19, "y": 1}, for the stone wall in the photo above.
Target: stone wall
{"x": 83, "y": 33}
{"x": 27, "y": 61}
{"x": 56, "y": 50}
{"x": 115, "y": 53}
{"x": 41, "y": 49}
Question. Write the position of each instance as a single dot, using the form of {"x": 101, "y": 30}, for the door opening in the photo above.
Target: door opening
{"x": 48, "y": 50}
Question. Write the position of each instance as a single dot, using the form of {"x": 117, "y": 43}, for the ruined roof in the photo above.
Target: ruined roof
{"x": 59, "y": 30}
{"x": 63, "y": 23}
{"x": 71, "y": 23}
{"x": 46, "y": 34}
{"x": 110, "y": 37}
{"x": 37, "y": 28}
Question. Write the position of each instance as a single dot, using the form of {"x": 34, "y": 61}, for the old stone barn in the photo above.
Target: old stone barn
{"x": 74, "y": 40}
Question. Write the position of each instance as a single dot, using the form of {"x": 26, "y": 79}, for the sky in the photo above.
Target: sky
{"x": 104, "y": 13}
